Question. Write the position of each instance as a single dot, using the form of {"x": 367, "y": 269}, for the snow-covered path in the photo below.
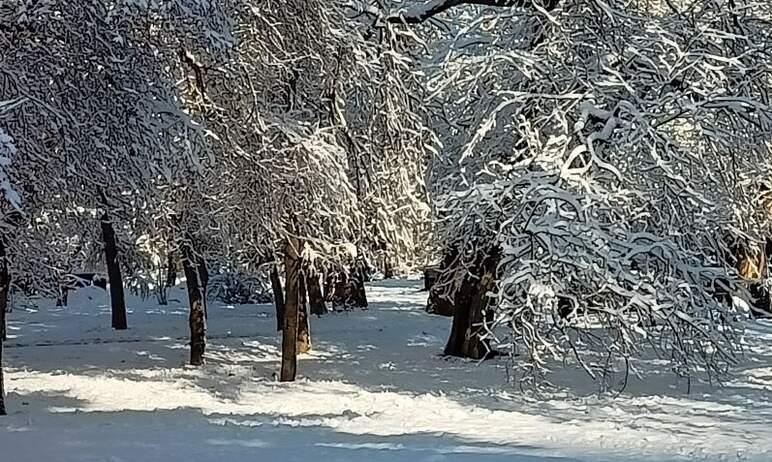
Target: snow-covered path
{"x": 374, "y": 388}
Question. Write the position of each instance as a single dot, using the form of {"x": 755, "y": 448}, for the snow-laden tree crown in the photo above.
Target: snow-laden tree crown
{"x": 612, "y": 153}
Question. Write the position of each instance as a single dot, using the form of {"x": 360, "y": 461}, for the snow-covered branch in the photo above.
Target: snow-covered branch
{"x": 426, "y": 10}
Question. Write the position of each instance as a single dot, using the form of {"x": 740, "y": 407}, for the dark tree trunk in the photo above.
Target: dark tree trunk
{"x": 278, "y": 297}
{"x": 340, "y": 291}
{"x": 435, "y": 281}
{"x": 171, "y": 271}
{"x": 329, "y": 285}
{"x": 2, "y": 382}
{"x": 61, "y": 299}
{"x": 117, "y": 300}
{"x": 5, "y": 289}
{"x": 289, "y": 356}
{"x": 304, "y": 331}
{"x": 751, "y": 263}
{"x": 315, "y": 297}
{"x": 359, "y": 296}
{"x": 203, "y": 278}
{"x": 388, "y": 269}
{"x": 196, "y": 319}
{"x": 347, "y": 289}
{"x": 431, "y": 274}
{"x": 471, "y": 303}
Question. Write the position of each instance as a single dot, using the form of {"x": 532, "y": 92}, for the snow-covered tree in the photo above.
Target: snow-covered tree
{"x": 10, "y": 206}
{"x": 103, "y": 137}
{"x": 605, "y": 155}
{"x": 276, "y": 86}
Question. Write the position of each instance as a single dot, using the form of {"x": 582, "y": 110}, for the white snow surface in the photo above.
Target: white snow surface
{"x": 375, "y": 388}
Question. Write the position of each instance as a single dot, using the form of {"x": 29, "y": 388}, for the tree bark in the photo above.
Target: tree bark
{"x": 117, "y": 300}
{"x": 5, "y": 290}
{"x": 203, "y": 279}
{"x": 289, "y": 356}
{"x": 278, "y": 297}
{"x": 315, "y": 297}
{"x": 471, "y": 303}
{"x": 347, "y": 289}
{"x": 2, "y": 382}
{"x": 388, "y": 268}
{"x": 359, "y": 295}
{"x": 171, "y": 271}
{"x": 304, "y": 331}
{"x": 337, "y": 294}
{"x": 196, "y": 319}
{"x": 328, "y": 285}
{"x": 435, "y": 281}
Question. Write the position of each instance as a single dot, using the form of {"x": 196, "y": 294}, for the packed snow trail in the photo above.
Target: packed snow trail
{"x": 373, "y": 388}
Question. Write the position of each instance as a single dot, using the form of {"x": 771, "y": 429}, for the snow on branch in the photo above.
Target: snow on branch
{"x": 425, "y": 11}
{"x": 7, "y": 153}
{"x": 614, "y": 164}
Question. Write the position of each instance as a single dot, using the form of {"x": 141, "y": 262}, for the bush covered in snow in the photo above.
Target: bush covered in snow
{"x": 239, "y": 288}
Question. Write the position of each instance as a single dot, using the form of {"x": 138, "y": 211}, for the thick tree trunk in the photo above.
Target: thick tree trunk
{"x": 171, "y": 271}
{"x": 436, "y": 280}
{"x": 471, "y": 302}
{"x": 315, "y": 297}
{"x": 117, "y": 300}
{"x": 348, "y": 289}
{"x": 196, "y": 319}
{"x": 289, "y": 356}
{"x": 304, "y": 331}
{"x": 278, "y": 297}
{"x": 431, "y": 275}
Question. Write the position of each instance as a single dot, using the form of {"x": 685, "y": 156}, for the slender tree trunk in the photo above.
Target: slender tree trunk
{"x": 61, "y": 300}
{"x": 196, "y": 319}
{"x": 5, "y": 289}
{"x": 117, "y": 300}
{"x": 388, "y": 269}
{"x": 304, "y": 331}
{"x": 2, "y": 382}
{"x": 340, "y": 290}
{"x": 359, "y": 296}
{"x": 203, "y": 278}
{"x": 171, "y": 271}
{"x": 471, "y": 302}
{"x": 315, "y": 297}
{"x": 278, "y": 297}
{"x": 328, "y": 284}
{"x": 289, "y": 356}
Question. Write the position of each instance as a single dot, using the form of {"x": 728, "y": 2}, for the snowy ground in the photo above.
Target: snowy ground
{"x": 373, "y": 389}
